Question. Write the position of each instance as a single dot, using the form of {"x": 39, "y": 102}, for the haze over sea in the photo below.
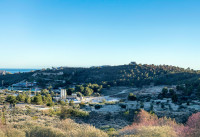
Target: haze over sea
{"x": 17, "y": 70}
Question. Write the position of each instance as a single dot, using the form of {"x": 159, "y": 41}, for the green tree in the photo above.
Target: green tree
{"x": 70, "y": 91}
{"x": 44, "y": 92}
{"x": 48, "y": 98}
{"x": 62, "y": 103}
{"x": 79, "y": 88}
{"x": 21, "y": 97}
{"x": 11, "y": 99}
{"x": 28, "y": 100}
{"x": 52, "y": 93}
{"x": 88, "y": 91}
{"x": 71, "y": 103}
{"x": 38, "y": 99}
{"x": 164, "y": 92}
{"x": 49, "y": 88}
{"x": 132, "y": 97}
{"x": 79, "y": 94}
{"x": 174, "y": 98}
{"x": 171, "y": 92}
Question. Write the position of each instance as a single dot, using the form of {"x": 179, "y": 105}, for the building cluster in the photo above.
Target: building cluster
{"x": 67, "y": 98}
{"x": 25, "y": 84}
{"x": 2, "y": 72}
{"x": 48, "y": 73}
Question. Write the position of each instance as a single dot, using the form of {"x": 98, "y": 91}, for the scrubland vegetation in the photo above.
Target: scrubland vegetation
{"x": 60, "y": 118}
{"x": 123, "y": 75}
{"x": 146, "y": 124}
{"x": 29, "y": 122}
{"x": 46, "y": 125}
{"x": 58, "y": 129}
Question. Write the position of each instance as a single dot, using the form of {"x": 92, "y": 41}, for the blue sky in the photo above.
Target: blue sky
{"x": 45, "y": 33}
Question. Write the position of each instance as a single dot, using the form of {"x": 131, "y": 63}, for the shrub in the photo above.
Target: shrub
{"x": 2, "y": 134}
{"x": 50, "y": 104}
{"x": 174, "y": 98}
{"x": 71, "y": 103}
{"x": 62, "y": 103}
{"x": 97, "y": 106}
{"x": 155, "y": 131}
{"x": 192, "y": 127}
{"x": 141, "y": 105}
{"x": 14, "y": 133}
{"x": 132, "y": 97}
{"x": 164, "y": 91}
{"x": 41, "y": 131}
{"x": 122, "y": 105}
{"x": 126, "y": 113}
{"x": 79, "y": 94}
{"x": 70, "y": 112}
{"x": 34, "y": 117}
{"x": 112, "y": 132}
{"x": 171, "y": 92}
{"x": 149, "y": 124}
{"x": 82, "y": 104}
{"x": 73, "y": 129}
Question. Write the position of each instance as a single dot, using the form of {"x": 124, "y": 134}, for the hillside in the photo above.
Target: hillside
{"x": 122, "y": 75}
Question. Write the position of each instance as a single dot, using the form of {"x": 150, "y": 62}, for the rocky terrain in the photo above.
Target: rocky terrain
{"x": 115, "y": 110}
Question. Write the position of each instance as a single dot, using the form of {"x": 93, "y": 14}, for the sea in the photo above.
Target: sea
{"x": 18, "y": 70}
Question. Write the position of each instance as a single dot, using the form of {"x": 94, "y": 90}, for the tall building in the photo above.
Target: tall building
{"x": 63, "y": 94}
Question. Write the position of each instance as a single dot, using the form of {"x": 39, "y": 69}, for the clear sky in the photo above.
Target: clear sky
{"x": 45, "y": 33}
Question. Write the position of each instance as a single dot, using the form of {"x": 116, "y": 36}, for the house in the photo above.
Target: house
{"x": 49, "y": 74}
{"x": 25, "y": 84}
{"x": 2, "y": 72}
{"x": 133, "y": 63}
{"x": 63, "y": 96}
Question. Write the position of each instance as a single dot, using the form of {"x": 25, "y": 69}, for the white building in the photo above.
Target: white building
{"x": 63, "y": 93}
{"x": 2, "y": 72}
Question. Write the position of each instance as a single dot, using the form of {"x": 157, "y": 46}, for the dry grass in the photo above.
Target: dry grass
{"x": 66, "y": 128}
{"x": 41, "y": 124}
{"x": 152, "y": 131}
{"x": 146, "y": 124}
{"x": 79, "y": 130}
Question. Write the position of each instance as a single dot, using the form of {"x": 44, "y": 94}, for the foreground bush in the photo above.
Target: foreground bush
{"x": 11, "y": 132}
{"x": 67, "y": 112}
{"x": 192, "y": 128}
{"x": 41, "y": 131}
{"x": 65, "y": 128}
{"x": 146, "y": 124}
{"x": 155, "y": 131}
{"x": 2, "y": 134}
{"x": 132, "y": 97}
{"x": 14, "y": 133}
{"x": 73, "y": 129}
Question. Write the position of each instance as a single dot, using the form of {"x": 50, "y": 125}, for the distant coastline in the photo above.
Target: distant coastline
{"x": 17, "y": 70}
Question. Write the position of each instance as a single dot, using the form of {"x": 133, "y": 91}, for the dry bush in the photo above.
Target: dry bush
{"x": 14, "y": 133}
{"x": 65, "y": 128}
{"x": 192, "y": 127}
{"x": 9, "y": 131}
{"x": 145, "y": 122}
{"x": 2, "y": 134}
{"x": 155, "y": 131}
{"x": 67, "y": 112}
{"x": 73, "y": 129}
{"x": 41, "y": 131}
